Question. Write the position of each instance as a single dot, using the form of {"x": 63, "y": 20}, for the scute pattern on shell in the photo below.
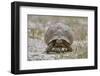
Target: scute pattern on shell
{"x": 60, "y": 31}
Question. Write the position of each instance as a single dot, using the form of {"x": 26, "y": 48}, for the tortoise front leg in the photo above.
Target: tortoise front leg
{"x": 69, "y": 48}
{"x": 49, "y": 48}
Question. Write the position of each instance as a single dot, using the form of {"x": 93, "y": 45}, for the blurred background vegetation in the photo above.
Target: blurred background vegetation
{"x": 38, "y": 25}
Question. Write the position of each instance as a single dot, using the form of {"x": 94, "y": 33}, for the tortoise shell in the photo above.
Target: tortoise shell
{"x": 59, "y": 31}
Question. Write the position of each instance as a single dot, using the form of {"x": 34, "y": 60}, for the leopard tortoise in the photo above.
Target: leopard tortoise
{"x": 58, "y": 38}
